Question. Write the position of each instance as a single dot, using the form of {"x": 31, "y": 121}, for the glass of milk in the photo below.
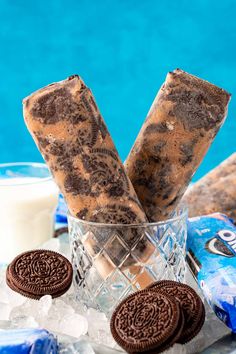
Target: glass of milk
{"x": 28, "y": 200}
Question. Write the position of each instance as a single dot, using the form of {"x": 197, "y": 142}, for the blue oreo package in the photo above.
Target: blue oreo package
{"x": 211, "y": 256}
{"x": 27, "y": 341}
{"x": 61, "y": 212}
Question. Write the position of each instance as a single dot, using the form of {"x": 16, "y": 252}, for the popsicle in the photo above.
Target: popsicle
{"x": 69, "y": 131}
{"x": 215, "y": 192}
{"x": 181, "y": 125}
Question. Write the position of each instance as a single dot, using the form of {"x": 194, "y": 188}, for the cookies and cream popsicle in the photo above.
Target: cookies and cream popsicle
{"x": 181, "y": 125}
{"x": 69, "y": 131}
{"x": 215, "y": 192}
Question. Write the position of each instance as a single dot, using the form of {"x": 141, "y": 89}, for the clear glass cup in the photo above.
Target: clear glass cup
{"x": 28, "y": 198}
{"x": 112, "y": 261}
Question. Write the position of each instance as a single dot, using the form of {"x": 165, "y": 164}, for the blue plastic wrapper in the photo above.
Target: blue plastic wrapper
{"x": 211, "y": 255}
{"x": 27, "y": 341}
{"x": 61, "y": 212}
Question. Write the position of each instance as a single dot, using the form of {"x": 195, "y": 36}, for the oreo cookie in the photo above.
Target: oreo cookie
{"x": 37, "y": 273}
{"x": 217, "y": 246}
{"x": 147, "y": 321}
{"x": 190, "y": 303}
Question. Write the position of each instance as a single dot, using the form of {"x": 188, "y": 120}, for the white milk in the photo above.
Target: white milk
{"x": 27, "y": 207}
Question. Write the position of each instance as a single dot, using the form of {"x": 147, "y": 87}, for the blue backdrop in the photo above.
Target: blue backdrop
{"x": 123, "y": 50}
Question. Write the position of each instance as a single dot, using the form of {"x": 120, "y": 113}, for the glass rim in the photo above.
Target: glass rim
{"x": 182, "y": 208}
{"x": 26, "y": 164}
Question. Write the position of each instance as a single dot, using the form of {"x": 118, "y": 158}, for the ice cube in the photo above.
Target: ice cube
{"x": 99, "y": 328}
{"x": 101, "y": 349}
{"x": 51, "y": 313}
{"x": 74, "y": 325}
{"x": 80, "y": 346}
{"x": 28, "y": 308}
{"x": 51, "y": 324}
{"x": 24, "y": 322}
{"x": 61, "y": 308}
{"x": 101, "y": 333}
{"x": 95, "y": 316}
{"x": 70, "y": 299}
{"x": 44, "y": 305}
{"x": 68, "y": 349}
{"x": 41, "y": 311}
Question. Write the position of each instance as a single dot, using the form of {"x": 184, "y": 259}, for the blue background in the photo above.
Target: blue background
{"x": 123, "y": 50}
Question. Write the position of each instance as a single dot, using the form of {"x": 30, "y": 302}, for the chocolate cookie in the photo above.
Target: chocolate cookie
{"x": 146, "y": 321}
{"x": 190, "y": 303}
{"x": 37, "y": 273}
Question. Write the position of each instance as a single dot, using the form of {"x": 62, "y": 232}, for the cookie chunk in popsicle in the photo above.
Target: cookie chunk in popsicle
{"x": 181, "y": 125}
{"x": 215, "y": 192}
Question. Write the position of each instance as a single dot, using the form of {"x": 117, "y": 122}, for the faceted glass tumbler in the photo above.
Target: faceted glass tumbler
{"x": 110, "y": 261}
